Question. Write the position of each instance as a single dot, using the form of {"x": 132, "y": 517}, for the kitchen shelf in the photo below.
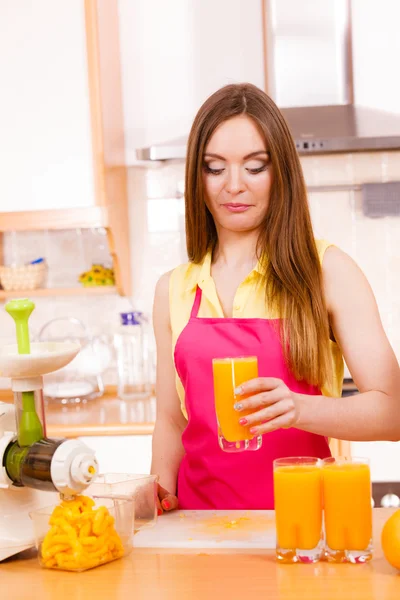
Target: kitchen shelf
{"x": 79, "y": 291}
{"x": 34, "y": 220}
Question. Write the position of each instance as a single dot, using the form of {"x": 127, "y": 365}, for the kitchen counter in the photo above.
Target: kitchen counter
{"x": 168, "y": 576}
{"x": 107, "y": 415}
{"x": 110, "y": 416}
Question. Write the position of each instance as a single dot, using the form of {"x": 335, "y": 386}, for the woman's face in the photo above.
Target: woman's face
{"x": 237, "y": 175}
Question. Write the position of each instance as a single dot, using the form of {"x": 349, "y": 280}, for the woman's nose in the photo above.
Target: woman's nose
{"x": 234, "y": 182}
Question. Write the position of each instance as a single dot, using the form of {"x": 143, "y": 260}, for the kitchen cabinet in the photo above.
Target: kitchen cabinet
{"x": 46, "y": 147}
{"x": 376, "y": 48}
{"x": 175, "y": 54}
{"x": 121, "y": 454}
{"x": 62, "y": 147}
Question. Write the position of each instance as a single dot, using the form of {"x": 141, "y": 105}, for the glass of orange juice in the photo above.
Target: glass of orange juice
{"x": 347, "y": 509}
{"x": 229, "y": 373}
{"x": 298, "y": 509}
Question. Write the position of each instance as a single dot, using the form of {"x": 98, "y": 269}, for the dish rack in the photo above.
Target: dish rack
{"x": 23, "y": 277}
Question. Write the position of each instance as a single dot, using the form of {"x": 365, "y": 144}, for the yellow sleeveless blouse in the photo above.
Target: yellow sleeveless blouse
{"x": 249, "y": 302}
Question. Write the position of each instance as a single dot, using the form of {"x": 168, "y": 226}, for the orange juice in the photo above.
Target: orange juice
{"x": 229, "y": 373}
{"x": 298, "y": 505}
{"x": 347, "y": 504}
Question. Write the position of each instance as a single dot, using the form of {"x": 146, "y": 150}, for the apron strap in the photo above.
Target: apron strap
{"x": 196, "y": 303}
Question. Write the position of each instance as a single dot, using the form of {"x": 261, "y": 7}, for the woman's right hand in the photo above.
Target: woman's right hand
{"x": 165, "y": 500}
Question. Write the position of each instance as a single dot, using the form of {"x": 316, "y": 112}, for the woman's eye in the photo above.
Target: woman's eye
{"x": 254, "y": 169}
{"x": 213, "y": 170}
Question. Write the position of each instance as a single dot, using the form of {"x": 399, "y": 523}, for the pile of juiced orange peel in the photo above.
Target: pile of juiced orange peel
{"x": 81, "y": 537}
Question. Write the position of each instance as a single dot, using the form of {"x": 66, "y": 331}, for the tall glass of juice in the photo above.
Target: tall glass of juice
{"x": 298, "y": 509}
{"x": 229, "y": 373}
{"x": 347, "y": 509}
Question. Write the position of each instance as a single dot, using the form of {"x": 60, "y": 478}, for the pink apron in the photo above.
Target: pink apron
{"x": 210, "y": 478}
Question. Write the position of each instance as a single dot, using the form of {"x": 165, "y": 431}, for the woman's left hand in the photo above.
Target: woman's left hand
{"x": 274, "y": 404}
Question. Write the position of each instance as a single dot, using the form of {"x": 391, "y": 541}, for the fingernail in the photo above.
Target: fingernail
{"x": 159, "y": 511}
{"x": 242, "y": 421}
{"x": 253, "y": 430}
{"x": 237, "y": 391}
{"x": 238, "y": 406}
{"x": 166, "y": 505}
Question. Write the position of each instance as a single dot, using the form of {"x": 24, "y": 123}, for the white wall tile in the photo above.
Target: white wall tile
{"x": 331, "y": 216}
{"x": 369, "y": 167}
{"x": 162, "y": 214}
{"x": 393, "y": 166}
{"x": 165, "y": 181}
{"x": 328, "y": 169}
{"x": 351, "y": 169}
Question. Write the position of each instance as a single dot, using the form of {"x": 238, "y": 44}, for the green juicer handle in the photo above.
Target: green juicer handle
{"x": 30, "y": 429}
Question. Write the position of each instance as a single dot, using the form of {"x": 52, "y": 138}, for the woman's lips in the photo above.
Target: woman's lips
{"x": 236, "y": 207}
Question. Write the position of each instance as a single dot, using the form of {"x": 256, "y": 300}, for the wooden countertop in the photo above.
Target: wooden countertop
{"x": 107, "y": 415}
{"x": 144, "y": 576}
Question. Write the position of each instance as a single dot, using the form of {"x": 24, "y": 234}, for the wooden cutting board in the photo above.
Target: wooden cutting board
{"x": 211, "y": 531}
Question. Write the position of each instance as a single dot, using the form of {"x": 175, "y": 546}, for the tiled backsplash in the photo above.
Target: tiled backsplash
{"x": 158, "y": 241}
{"x": 373, "y": 243}
{"x": 68, "y": 252}
{"x": 351, "y": 169}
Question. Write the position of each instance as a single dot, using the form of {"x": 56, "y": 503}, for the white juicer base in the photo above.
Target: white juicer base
{"x": 16, "y": 528}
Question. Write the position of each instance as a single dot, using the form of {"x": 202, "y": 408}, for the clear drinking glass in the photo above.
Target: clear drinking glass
{"x": 298, "y": 509}
{"x": 347, "y": 509}
{"x": 228, "y": 374}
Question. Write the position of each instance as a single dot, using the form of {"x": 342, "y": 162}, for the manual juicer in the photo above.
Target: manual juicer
{"x": 31, "y": 463}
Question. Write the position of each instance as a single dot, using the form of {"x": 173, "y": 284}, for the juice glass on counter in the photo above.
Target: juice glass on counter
{"x": 347, "y": 509}
{"x": 228, "y": 374}
{"x": 298, "y": 509}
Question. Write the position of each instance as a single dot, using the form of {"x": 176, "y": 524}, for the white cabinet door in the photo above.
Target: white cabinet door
{"x": 376, "y": 49}
{"x": 384, "y": 459}
{"x": 45, "y": 145}
{"x": 121, "y": 454}
{"x": 174, "y": 54}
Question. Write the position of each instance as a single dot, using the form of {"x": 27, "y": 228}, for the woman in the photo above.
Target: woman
{"x": 254, "y": 264}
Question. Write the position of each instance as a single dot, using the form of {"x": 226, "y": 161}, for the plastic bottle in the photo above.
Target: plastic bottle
{"x": 131, "y": 365}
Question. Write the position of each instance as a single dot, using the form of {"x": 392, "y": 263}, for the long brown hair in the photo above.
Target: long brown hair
{"x": 293, "y": 275}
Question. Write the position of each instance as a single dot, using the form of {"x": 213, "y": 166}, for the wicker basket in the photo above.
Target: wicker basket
{"x": 25, "y": 277}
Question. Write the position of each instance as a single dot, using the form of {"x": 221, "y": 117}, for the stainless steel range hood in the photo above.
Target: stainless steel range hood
{"x": 308, "y": 59}
{"x": 316, "y": 130}
{"x": 342, "y": 128}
